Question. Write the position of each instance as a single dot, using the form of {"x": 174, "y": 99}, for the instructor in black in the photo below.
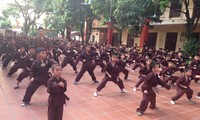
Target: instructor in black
{"x": 88, "y": 65}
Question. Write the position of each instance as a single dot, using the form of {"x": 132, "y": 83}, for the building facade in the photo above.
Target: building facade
{"x": 170, "y": 34}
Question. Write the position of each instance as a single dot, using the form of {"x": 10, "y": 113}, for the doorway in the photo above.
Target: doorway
{"x": 171, "y": 40}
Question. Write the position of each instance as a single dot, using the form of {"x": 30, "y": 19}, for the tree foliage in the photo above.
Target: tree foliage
{"x": 192, "y": 18}
{"x": 29, "y": 10}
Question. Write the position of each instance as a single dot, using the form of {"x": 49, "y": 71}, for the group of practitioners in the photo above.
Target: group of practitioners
{"x": 36, "y": 56}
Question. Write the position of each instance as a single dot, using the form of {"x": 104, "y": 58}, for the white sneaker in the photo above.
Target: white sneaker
{"x": 135, "y": 89}
{"x": 124, "y": 91}
{"x": 159, "y": 86}
{"x": 75, "y": 83}
{"x": 23, "y": 104}
{"x": 95, "y": 94}
{"x": 16, "y": 86}
{"x": 198, "y": 96}
{"x": 172, "y": 102}
{"x": 139, "y": 113}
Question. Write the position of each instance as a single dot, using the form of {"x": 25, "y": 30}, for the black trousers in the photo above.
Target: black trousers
{"x": 125, "y": 71}
{"x": 139, "y": 82}
{"x": 55, "y": 112}
{"x": 71, "y": 62}
{"x": 90, "y": 70}
{"x": 196, "y": 72}
{"x": 150, "y": 97}
{"x": 101, "y": 64}
{"x": 23, "y": 74}
{"x": 6, "y": 61}
{"x": 3, "y": 57}
{"x": 171, "y": 79}
{"x": 181, "y": 92}
{"x": 30, "y": 90}
{"x": 56, "y": 59}
{"x": 14, "y": 68}
{"x": 135, "y": 66}
{"x": 103, "y": 83}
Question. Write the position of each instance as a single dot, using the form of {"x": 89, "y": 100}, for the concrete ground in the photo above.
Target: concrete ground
{"x": 109, "y": 105}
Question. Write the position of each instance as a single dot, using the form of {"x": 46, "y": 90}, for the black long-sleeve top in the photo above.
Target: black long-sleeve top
{"x": 152, "y": 80}
{"x": 57, "y": 93}
{"x": 113, "y": 71}
{"x": 40, "y": 71}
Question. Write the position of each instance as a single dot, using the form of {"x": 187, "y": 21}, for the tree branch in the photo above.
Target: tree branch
{"x": 196, "y": 23}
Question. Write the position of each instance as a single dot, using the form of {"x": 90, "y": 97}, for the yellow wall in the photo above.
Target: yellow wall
{"x": 124, "y": 36}
{"x": 161, "y": 31}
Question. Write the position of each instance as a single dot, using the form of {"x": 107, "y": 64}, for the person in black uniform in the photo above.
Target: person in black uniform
{"x": 195, "y": 66}
{"x": 56, "y": 88}
{"x": 69, "y": 57}
{"x": 122, "y": 66}
{"x": 41, "y": 40}
{"x": 111, "y": 74}
{"x": 30, "y": 57}
{"x": 183, "y": 86}
{"x": 88, "y": 65}
{"x": 98, "y": 59}
{"x": 19, "y": 59}
{"x": 142, "y": 74}
{"x": 11, "y": 49}
{"x": 148, "y": 89}
{"x": 38, "y": 73}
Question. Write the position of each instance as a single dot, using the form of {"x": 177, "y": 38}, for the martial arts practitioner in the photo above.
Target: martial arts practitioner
{"x": 143, "y": 72}
{"x": 56, "y": 87}
{"x": 133, "y": 54}
{"x": 111, "y": 74}
{"x": 88, "y": 65}
{"x": 149, "y": 89}
{"x": 39, "y": 74}
{"x": 56, "y": 51}
{"x": 19, "y": 59}
{"x": 195, "y": 66}
{"x": 164, "y": 62}
{"x": 122, "y": 62}
{"x": 139, "y": 62}
{"x": 30, "y": 57}
{"x": 105, "y": 55}
{"x": 41, "y": 40}
{"x": 168, "y": 72}
{"x": 180, "y": 61}
{"x": 69, "y": 57}
{"x": 183, "y": 86}
{"x": 98, "y": 59}
{"x": 11, "y": 49}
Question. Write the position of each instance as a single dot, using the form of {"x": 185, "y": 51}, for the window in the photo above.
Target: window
{"x": 176, "y": 6}
{"x": 197, "y": 9}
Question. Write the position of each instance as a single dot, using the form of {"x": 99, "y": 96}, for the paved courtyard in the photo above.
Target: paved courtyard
{"x": 109, "y": 105}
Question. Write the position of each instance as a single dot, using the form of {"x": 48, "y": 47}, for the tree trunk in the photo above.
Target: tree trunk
{"x": 120, "y": 37}
{"x": 69, "y": 30}
{"x": 89, "y": 30}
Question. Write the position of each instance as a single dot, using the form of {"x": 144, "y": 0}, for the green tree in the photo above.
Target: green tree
{"x": 29, "y": 10}
{"x": 5, "y": 22}
{"x": 128, "y": 13}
